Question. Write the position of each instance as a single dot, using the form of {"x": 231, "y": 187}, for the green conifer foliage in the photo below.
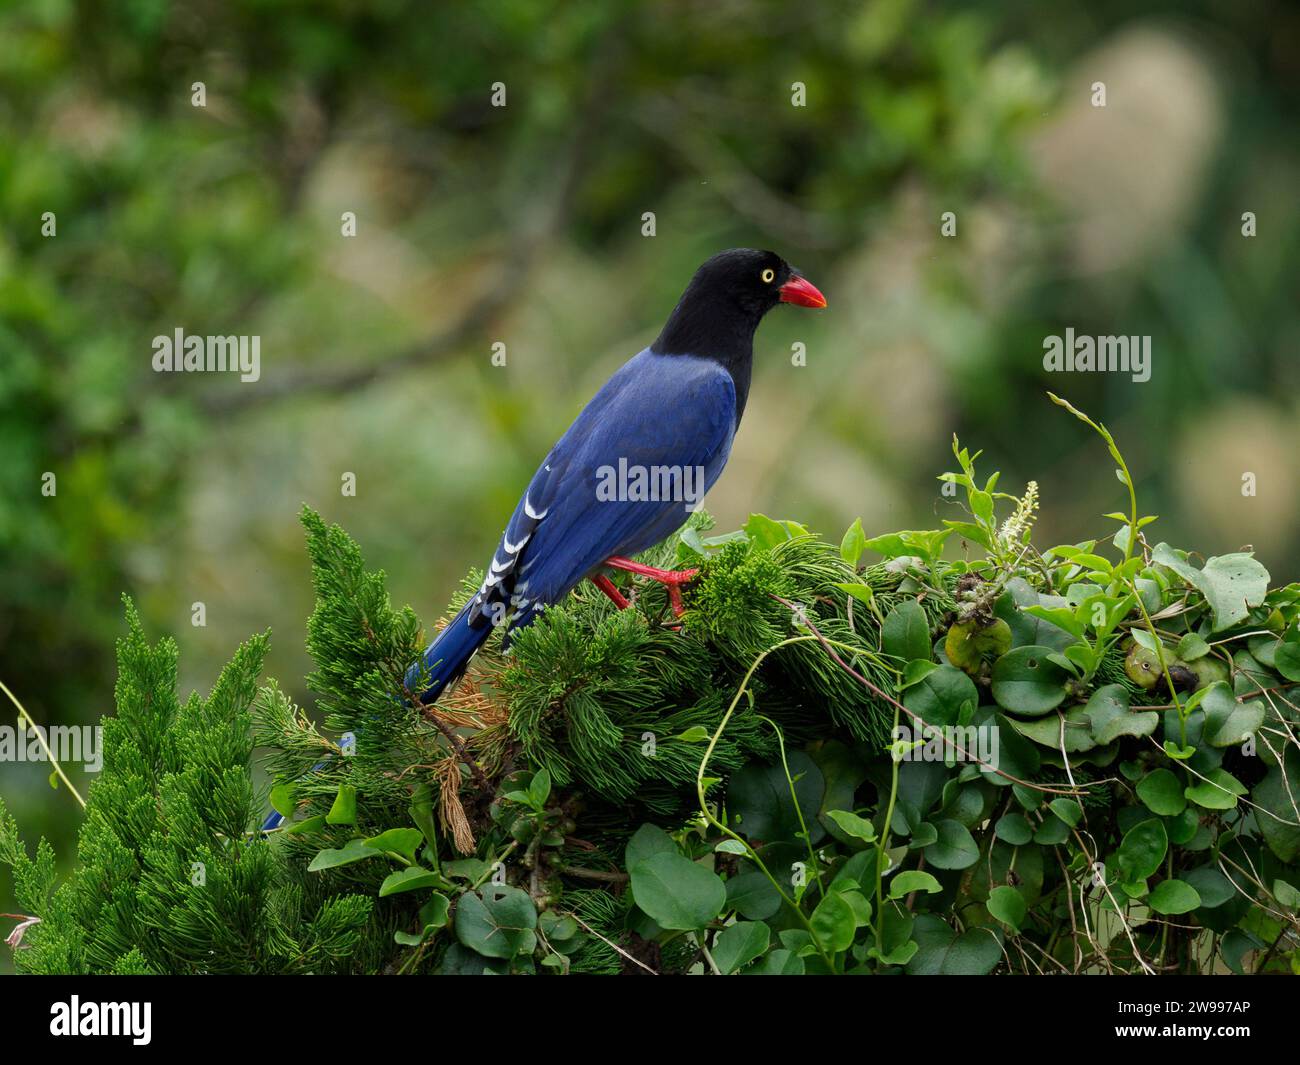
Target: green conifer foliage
{"x": 169, "y": 879}
{"x": 605, "y": 697}
{"x": 361, "y": 647}
{"x": 722, "y": 791}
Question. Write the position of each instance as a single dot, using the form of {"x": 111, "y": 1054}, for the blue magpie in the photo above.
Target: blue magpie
{"x": 670, "y": 412}
{"x": 673, "y": 408}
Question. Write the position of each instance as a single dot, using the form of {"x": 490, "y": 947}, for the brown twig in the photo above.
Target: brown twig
{"x": 610, "y": 943}
{"x": 458, "y": 745}
{"x": 593, "y": 874}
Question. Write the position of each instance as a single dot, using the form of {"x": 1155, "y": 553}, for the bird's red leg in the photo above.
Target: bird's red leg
{"x": 607, "y": 586}
{"x": 672, "y": 579}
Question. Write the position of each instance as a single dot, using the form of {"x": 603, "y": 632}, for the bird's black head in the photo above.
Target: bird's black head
{"x": 722, "y": 306}
{"x": 726, "y": 299}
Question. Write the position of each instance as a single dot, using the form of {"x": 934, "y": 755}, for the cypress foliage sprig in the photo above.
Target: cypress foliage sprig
{"x": 169, "y": 878}
{"x": 617, "y": 700}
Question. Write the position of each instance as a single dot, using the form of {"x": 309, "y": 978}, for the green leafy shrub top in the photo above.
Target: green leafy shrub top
{"x": 935, "y": 751}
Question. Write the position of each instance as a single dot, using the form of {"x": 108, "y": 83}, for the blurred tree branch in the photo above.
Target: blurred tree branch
{"x": 748, "y": 194}
{"x": 542, "y": 220}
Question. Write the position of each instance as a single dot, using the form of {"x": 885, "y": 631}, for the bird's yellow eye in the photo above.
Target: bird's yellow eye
{"x": 769, "y": 275}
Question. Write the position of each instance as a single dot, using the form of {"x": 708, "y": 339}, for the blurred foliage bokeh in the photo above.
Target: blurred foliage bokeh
{"x": 524, "y": 225}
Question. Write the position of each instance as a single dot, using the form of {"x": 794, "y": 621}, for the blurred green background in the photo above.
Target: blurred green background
{"x": 523, "y": 225}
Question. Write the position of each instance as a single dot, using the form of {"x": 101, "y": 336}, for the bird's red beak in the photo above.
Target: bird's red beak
{"x": 801, "y": 291}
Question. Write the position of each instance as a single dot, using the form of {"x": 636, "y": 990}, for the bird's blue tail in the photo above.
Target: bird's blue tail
{"x": 445, "y": 660}
{"x": 449, "y": 654}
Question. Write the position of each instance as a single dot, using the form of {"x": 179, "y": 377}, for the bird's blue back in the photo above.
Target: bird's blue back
{"x": 656, "y": 411}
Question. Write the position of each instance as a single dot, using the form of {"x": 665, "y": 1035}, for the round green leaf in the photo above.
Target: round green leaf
{"x": 1234, "y": 946}
{"x": 1287, "y": 658}
{"x": 834, "y": 923}
{"x": 1162, "y": 793}
{"x": 753, "y": 895}
{"x": 1182, "y": 827}
{"x": 647, "y": 841}
{"x": 853, "y": 825}
{"x": 1068, "y": 810}
{"x": 1016, "y": 755}
{"x": 939, "y": 696}
{"x": 964, "y": 802}
{"x": 353, "y": 851}
{"x": 1049, "y": 730}
{"x": 282, "y": 798}
{"x": 954, "y": 849}
{"x": 1276, "y": 793}
{"x": 1014, "y": 829}
{"x": 940, "y": 951}
{"x": 739, "y": 944}
{"x": 923, "y": 835}
{"x": 403, "y": 841}
{"x": 760, "y": 795}
{"x": 1008, "y": 906}
{"x": 1218, "y": 791}
{"x": 1143, "y": 849}
{"x": 1228, "y": 722}
{"x": 911, "y": 880}
{"x": 1051, "y": 832}
{"x": 779, "y": 963}
{"x": 557, "y": 927}
{"x": 408, "y": 879}
{"x": 1025, "y": 682}
{"x": 1173, "y": 896}
{"x": 497, "y": 922}
{"x": 906, "y": 632}
{"x": 676, "y": 892}
{"x": 1210, "y": 884}
{"x": 1108, "y": 710}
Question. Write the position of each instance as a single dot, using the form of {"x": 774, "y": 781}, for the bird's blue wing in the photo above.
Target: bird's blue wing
{"x": 657, "y": 412}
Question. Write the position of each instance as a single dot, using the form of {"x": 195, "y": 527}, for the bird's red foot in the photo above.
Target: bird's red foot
{"x": 607, "y": 586}
{"x": 672, "y": 579}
